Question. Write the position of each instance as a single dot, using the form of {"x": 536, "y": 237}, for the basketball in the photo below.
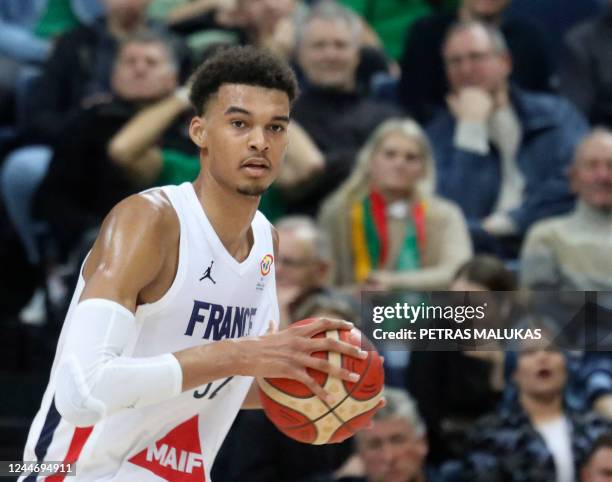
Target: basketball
{"x": 303, "y": 416}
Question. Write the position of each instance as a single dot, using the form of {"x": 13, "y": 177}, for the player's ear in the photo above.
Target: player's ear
{"x": 197, "y": 131}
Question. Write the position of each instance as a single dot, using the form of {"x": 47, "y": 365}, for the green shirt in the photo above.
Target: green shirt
{"x": 178, "y": 167}
{"x": 57, "y": 19}
{"x": 272, "y": 204}
{"x": 391, "y": 19}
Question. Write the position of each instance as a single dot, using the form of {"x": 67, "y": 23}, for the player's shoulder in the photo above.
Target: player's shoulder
{"x": 150, "y": 214}
{"x": 138, "y": 232}
{"x": 261, "y": 217}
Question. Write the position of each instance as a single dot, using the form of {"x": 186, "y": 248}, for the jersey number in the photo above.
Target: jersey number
{"x": 203, "y": 393}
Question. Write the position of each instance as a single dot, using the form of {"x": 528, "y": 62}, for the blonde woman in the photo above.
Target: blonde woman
{"x": 386, "y": 228}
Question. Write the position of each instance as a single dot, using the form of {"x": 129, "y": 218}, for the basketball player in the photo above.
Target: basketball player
{"x": 170, "y": 319}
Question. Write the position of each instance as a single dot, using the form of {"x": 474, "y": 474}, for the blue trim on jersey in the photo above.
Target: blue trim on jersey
{"x": 46, "y": 436}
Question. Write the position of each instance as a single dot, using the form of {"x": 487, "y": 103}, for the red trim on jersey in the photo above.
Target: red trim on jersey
{"x": 80, "y": 436}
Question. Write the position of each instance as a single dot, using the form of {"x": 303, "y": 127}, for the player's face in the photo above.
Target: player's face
{"x": 592, "y": 174}
{"x": 328, "y": 54}
{"x": 143, "y": 72}
{"x": 243, "y": 137}
{"x": 540, "y": 373}
{"x": 471, "y": 61}
{"x": 397, "y": 165}
{"x": 391, "y": 451}
{"x": 599, "y": 468}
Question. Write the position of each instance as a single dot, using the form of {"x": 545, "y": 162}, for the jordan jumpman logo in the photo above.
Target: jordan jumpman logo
{"x": 207, "y": 273}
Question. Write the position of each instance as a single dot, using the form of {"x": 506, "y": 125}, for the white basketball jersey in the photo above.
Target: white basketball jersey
{"x": 213, "y": 297}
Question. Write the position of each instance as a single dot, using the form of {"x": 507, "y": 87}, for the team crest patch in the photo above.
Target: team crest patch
{"x": 176, "y": 457}
{"x": 266, "y": 264}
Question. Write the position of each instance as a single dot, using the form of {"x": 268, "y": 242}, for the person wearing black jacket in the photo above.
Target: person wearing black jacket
{"x": 76, "y": 75}
{"x": 423, "y": 85}
{"x": 83, "y": 181}
{"x": 333, "y": 108}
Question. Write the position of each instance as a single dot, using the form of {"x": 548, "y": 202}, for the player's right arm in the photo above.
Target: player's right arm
{"x": 133, "y": 261}
{"x": 127, "y": 266}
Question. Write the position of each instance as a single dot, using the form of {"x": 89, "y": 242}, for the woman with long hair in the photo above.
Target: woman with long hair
{"x": 386, "y": 228}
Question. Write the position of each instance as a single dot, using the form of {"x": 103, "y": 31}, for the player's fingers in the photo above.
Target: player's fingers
{"x": 329, "y": 344}
{"x": 324, "y": 324}
{"x": 326, "y": 367}
{"x": 314, "y": 387}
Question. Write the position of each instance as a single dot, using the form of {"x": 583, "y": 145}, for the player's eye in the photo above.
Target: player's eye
{"x": 238, "y": 124}
{"x": 277, "y": 128}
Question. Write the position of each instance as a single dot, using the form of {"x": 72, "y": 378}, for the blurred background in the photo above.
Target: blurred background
{"x": 436, "y": 144}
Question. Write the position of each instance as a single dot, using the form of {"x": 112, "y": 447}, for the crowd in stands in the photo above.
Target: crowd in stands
{"x": 461, "y": 145}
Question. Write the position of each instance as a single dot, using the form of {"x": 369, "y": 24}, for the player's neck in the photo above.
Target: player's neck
{"x": 230, "y": 216}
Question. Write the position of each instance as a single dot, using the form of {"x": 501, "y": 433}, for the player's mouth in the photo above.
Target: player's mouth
{"x": 256, "y": 167}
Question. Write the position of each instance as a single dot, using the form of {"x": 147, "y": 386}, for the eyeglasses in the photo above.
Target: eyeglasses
{"x": 455, "y": 61}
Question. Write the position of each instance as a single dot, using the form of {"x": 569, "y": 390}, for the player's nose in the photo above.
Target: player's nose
{"x": 257, "y": 140}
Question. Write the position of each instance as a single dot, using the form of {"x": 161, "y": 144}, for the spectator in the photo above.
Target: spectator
{"x": 91, "y": 169}
{"x": 203, "y": 23}
{"x": 593, "y": 387}
{"x": 502, "y": 152}
{"x": 273, "y": 23}
{"x": 423, "y": 86}
{"x": 27, "y": 29}
{"x": 302, "y": 265}
{"x": 571, "y": 252}
{"x": 536, "y": 438}
{"x": 386, "y": 229}
{"x": 80, "y": 66}
{"x": 454, "y": 388}
{"x": 270, "y": 24}
{"x": 391, "y": 19}
{"x": 556, "y": 18}
{"x": 586, "y": 74}
{"x": 393, "y": 449}
{"x": 77, "y": 74}
{"x": 598, "y": 466}
{"x": 332, "y": 108}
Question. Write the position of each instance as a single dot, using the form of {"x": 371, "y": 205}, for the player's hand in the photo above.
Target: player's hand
{"x": 287, "y": 354}
{"x": 471, "y": 104}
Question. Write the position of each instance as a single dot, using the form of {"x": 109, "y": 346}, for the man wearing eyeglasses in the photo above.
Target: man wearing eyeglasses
{"x": 423, "y": 84}
{"x": 303, "y": 264}
{"x": 502, "y": 153}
